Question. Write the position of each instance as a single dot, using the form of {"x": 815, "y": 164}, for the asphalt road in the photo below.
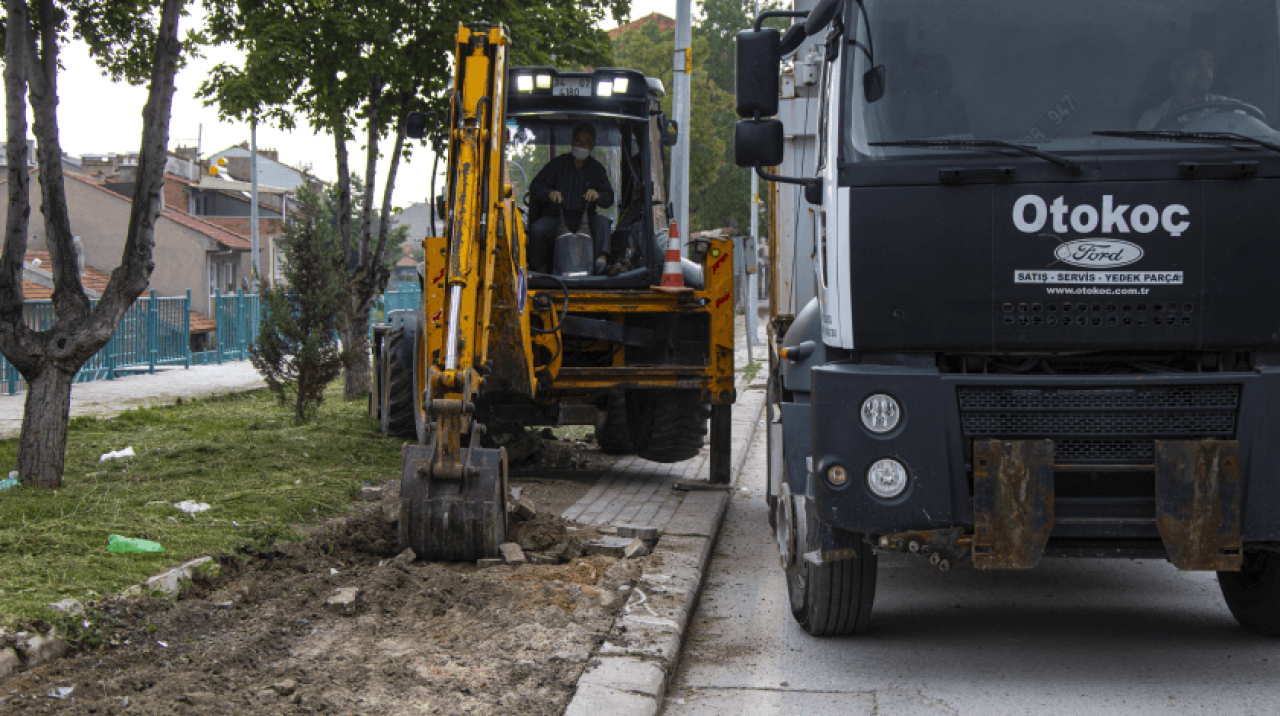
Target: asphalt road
{"x": 1069, "y": 637}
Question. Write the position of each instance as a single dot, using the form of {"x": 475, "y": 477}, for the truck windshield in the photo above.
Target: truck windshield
{"x": 1050, "y": 73}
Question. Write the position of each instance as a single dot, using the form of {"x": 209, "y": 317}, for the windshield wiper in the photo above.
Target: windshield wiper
{"x": 1173, "y": 135}
{"x": 977, "y": 145}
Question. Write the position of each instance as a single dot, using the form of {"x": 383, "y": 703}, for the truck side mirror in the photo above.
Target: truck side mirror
{"x": 756, "y": 73}
{"x": 873, "y": 83}
{"x": 758, "y": 143}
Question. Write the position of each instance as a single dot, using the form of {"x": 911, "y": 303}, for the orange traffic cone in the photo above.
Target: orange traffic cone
{"x": 672, "y": 271}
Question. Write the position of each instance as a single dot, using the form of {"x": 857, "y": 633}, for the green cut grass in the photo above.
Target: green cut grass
{"x": 244, "y": 455}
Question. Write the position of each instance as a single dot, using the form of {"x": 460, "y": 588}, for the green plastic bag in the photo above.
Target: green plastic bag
{"x": 116, "y": 543}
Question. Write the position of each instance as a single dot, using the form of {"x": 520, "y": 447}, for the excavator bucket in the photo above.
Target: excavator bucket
{"x": 453, "y": 520}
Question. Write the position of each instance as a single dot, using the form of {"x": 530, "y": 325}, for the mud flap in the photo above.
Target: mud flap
{"x": 1012, "y": 502}
{"x": 1198, "y": 503}
{"x": 452, "y": 520}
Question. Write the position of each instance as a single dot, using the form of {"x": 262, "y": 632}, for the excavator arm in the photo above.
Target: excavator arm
{"x": 453, "y": 490}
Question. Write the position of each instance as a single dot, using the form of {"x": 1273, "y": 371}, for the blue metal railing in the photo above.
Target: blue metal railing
{"x": 153, "y": 332}
{"x": 157, "y": 332}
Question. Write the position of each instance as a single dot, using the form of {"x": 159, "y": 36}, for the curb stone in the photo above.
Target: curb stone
{"x": 642, "y": 648}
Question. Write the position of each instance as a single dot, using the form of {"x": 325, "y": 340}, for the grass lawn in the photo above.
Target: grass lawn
{"x": 244, "y": 455}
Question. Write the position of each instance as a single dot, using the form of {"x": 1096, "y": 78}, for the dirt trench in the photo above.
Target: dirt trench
{"x": 422, "y": 638}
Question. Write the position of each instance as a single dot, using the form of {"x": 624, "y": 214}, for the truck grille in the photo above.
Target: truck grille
{"x": 1101, "y": 426}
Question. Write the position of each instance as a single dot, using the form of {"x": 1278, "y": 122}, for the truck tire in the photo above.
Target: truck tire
{"x": 830, "y": 599}
{"x": 397, "y": 389}
{"x": 667, "y": 425}
{"x": 1253, "y": 593}
{"x": 612, "y": 434}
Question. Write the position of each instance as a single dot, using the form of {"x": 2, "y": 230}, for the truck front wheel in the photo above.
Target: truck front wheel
{"x": 832, "y": 599}
{"x": 1253, "y": 593}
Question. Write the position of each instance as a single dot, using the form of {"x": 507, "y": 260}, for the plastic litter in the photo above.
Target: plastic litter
{"x": 62, "y": 692}
{"x": 114, "y": 454}
{"x": 191, "y": 507}
{"x": 9, "y": 482}
{"x": 127, "y": 545}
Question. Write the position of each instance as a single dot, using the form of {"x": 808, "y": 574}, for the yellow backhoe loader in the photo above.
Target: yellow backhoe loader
{"x": 562, "y": 336}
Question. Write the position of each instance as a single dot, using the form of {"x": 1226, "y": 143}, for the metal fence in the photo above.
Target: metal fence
{"x": 238, "y": 316}
{"x": 157, "y": 332}
{"x": 154, "y": 332}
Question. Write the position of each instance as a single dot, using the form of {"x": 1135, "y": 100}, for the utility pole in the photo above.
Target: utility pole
{"x": 753, "y": 313}
{"x": 253, "y": 200}
{"x": 683, "y": 67}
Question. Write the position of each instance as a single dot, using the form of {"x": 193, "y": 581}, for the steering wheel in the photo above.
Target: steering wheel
{"x": 1173, "y": 119}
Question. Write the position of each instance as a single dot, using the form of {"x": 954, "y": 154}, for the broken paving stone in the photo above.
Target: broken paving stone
{"x": 637, "y": 548}
{"x": 568, "y": 550}
{"x": 404, "y": 558}
{"x": 607, "y": 546}
{"x": 544, "y": 558}
{"x": 486, "y": 563}
{"x": 62, "y": 692}
{"x": 67, "y": 606}
{"x": 512, "y": 553}
{"x": 9, "y": 662}
{"x": 523, "y": 507}
{"x": 41, "y": 650}
{"x": 344, "y": 600}
{"x": 644, "y": 532}
{"x": 285, "y": 688}
{"x": 371, "y": 494}
{"x": 171, "y": 582}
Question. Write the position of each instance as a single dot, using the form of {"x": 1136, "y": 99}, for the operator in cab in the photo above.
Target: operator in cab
{"x": 572, "y": 183}
{"x": 1191, "y": 76}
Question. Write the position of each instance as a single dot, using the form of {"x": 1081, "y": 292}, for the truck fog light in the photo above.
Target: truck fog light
{"x": 887, "y": 478}
{"x": 837, "y": 475}
{"x": 880, "y": 413}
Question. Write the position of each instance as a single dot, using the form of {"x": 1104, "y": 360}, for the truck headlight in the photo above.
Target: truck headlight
{"x": 887, "y": 478}
{"x": 880, "y": 413}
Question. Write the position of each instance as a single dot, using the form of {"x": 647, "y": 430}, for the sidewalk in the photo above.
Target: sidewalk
{"x": 110, "y": 397}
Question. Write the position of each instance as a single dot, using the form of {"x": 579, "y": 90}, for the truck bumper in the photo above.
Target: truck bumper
{"x": 1177, "y": 458}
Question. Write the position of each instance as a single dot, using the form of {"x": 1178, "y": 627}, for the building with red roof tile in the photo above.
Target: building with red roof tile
{"x": 189, "y": 252}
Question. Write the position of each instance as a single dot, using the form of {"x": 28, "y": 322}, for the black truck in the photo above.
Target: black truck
{"x": 1043, "y": 319}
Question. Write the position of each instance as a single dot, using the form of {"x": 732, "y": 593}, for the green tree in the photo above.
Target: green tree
{"x": 351, "y": 66}
{"x": 648, "y": 48}
{"x": 136, "y": 41}
{"x": 297, "y": 348}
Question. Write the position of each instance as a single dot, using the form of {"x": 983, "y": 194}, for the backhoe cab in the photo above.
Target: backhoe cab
{"x": 558, "y": 337}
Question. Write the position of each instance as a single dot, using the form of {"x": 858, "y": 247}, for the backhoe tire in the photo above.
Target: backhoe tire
{"x": 397, "y": 395}
{"x": 1253, "y": 593}
{"x": 667, "y": 425}
{"x": 612, "y": 433}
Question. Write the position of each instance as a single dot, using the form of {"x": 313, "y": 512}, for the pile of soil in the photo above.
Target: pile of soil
{"x": 423, "y": 637}
{"x": 543, "y": 449}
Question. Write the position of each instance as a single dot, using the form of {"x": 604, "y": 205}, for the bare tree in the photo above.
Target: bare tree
{"x": 49, "y": 360}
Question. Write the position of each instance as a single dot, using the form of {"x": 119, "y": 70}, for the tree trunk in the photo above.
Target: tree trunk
{"x": 50, "y": 359}
{"x": 42, "y": 447}
{"x": 355, "y": 352}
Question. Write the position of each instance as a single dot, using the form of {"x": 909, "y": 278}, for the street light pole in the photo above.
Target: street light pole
{"x": 253, "y": 201}
{"x": 683, "y": 67}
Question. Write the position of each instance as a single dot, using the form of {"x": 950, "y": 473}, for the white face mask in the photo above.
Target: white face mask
{"x": 581, "y": 153}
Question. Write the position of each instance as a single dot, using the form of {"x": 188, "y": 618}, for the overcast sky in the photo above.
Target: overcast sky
{"x": 96, "y": 116}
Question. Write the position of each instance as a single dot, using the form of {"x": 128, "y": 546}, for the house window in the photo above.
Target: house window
{"x": 213, "y": 278}
{"x": 229, "y": 277}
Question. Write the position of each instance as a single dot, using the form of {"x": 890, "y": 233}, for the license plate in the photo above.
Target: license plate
{"x": 570, "y": 87}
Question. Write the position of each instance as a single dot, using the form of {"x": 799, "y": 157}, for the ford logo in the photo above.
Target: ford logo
{"x": 1098, "y": 253}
